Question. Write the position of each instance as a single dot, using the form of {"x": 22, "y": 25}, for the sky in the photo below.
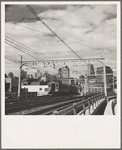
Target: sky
{"x": 87, "y": 29}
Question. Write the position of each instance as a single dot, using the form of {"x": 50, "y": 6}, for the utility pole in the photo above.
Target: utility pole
{"x": 19, "y": 85}
{"x": 105, "y": 85}
{"x": 104, "y": 75}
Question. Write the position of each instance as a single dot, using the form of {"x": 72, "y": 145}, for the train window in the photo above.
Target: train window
{"x": 46, "y": 89}
{"x": 40, "y": 89}
{"x": 56, "y": 84}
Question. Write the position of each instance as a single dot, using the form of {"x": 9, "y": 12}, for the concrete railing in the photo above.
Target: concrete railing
{"x": 111, "y": 108}
{"x": 85, "y": 107}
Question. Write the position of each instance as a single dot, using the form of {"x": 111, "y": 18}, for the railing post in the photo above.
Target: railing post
{"x": 74, "y": 108}
{"x": 89, "y": 106}
{"x": 93, "y": 104}
{"x": 84, "y": 108}
{"x": 55, "y": 113}
{"x": 98, "y": 99}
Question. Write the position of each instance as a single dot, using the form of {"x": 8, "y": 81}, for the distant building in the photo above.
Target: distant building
{"x": 69, "y": 81}
{"x": 11, "y": 84}
{"x": 28, "y": 81}
{"x": 10, "y": 75}
{"x": 38, "y": 74}
{"x": 46, "y": 77}
{"x": 53, "y": 78}
{"x": 30, "y": 76}
{"x": 100, "y": 75}
{"x": 23, "y": 74}
{"x": 91, "y": 69}
{"x": 91, "y": 73}
{"x": 64, "y": 72}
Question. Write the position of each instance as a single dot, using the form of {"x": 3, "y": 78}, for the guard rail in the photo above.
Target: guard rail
{"x": 84, "y": 107}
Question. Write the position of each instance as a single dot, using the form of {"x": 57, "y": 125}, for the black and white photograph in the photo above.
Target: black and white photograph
{"x": 61, "y": 59}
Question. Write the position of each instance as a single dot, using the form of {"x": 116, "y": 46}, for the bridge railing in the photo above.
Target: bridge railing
{"x": 81, "y": 108}
{"x": 111, "y": 108}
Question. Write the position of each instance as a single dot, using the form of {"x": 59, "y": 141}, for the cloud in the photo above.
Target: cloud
{"x": 91, "y": 27}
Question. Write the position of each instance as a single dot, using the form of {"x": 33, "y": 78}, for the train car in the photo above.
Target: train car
{"x": 73, "y": 89}
{"x": 53, "y": 87}
{"x": 60, "y": 89}
{"x": 40, "y": 89}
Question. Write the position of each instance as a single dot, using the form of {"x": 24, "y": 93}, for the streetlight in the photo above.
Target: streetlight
{"x": 19, "y": 84}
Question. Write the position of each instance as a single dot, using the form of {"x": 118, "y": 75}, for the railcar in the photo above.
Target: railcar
{"x": 60, "y": 88}
{"x": 41, "y": 90}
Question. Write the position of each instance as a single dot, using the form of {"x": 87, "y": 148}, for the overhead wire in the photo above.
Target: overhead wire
{"x": 30, "y": 29}
{"x": 47, "y": 26}
{"x": 17, "y": 62}
{"x": 49, "y": 29}
{"x": 62, "y": 38}
{"x": 65, "y": 38}
{"x": 20, "y": 46}
{"x": 29, "y": 52}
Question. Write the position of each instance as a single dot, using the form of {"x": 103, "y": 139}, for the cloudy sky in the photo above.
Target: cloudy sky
{"x": 87, "y": 29}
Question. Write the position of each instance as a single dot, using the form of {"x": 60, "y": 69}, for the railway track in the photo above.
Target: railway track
{"x": 33, "y": 102}
{"x": 36, "y": 102}
{"x": 57, "y": 106}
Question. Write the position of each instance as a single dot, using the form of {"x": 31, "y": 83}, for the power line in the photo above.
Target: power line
{"x": 29, "y": 51}
{"x": 20, "y": 47}
{"x": 62, "y": 38}
{"x": 17, "y": 62}
{"x": 41, "y": 20}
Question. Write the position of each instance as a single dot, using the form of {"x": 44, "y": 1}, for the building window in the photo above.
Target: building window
{"x": 40, "y": 89}
{"x": 46, "y": 89}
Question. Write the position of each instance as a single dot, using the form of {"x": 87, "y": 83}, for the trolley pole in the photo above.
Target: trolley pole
{"x": 19, "y": 85}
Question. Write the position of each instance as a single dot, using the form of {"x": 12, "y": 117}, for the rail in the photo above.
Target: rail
{"x": 84, "y": 107}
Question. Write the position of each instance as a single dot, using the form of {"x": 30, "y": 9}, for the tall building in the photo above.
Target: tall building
{"x": 91, "y": 69}
{"x": 11, "y": 84}
{"x": 100, "y": 74}
{"x": 23, "y": 74}
{"x": 38, "y": 74}
{"x": 48, "y": 77}
{"x": 64, "y": 72}
{"x": 91, "y": 72}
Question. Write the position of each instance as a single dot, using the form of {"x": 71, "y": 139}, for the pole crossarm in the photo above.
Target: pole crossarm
{"x": 72, "y": 59}
{"x": 22, "y": 65}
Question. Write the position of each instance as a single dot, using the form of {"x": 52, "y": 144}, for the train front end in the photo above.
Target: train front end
{"x": 53, "y": 88}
